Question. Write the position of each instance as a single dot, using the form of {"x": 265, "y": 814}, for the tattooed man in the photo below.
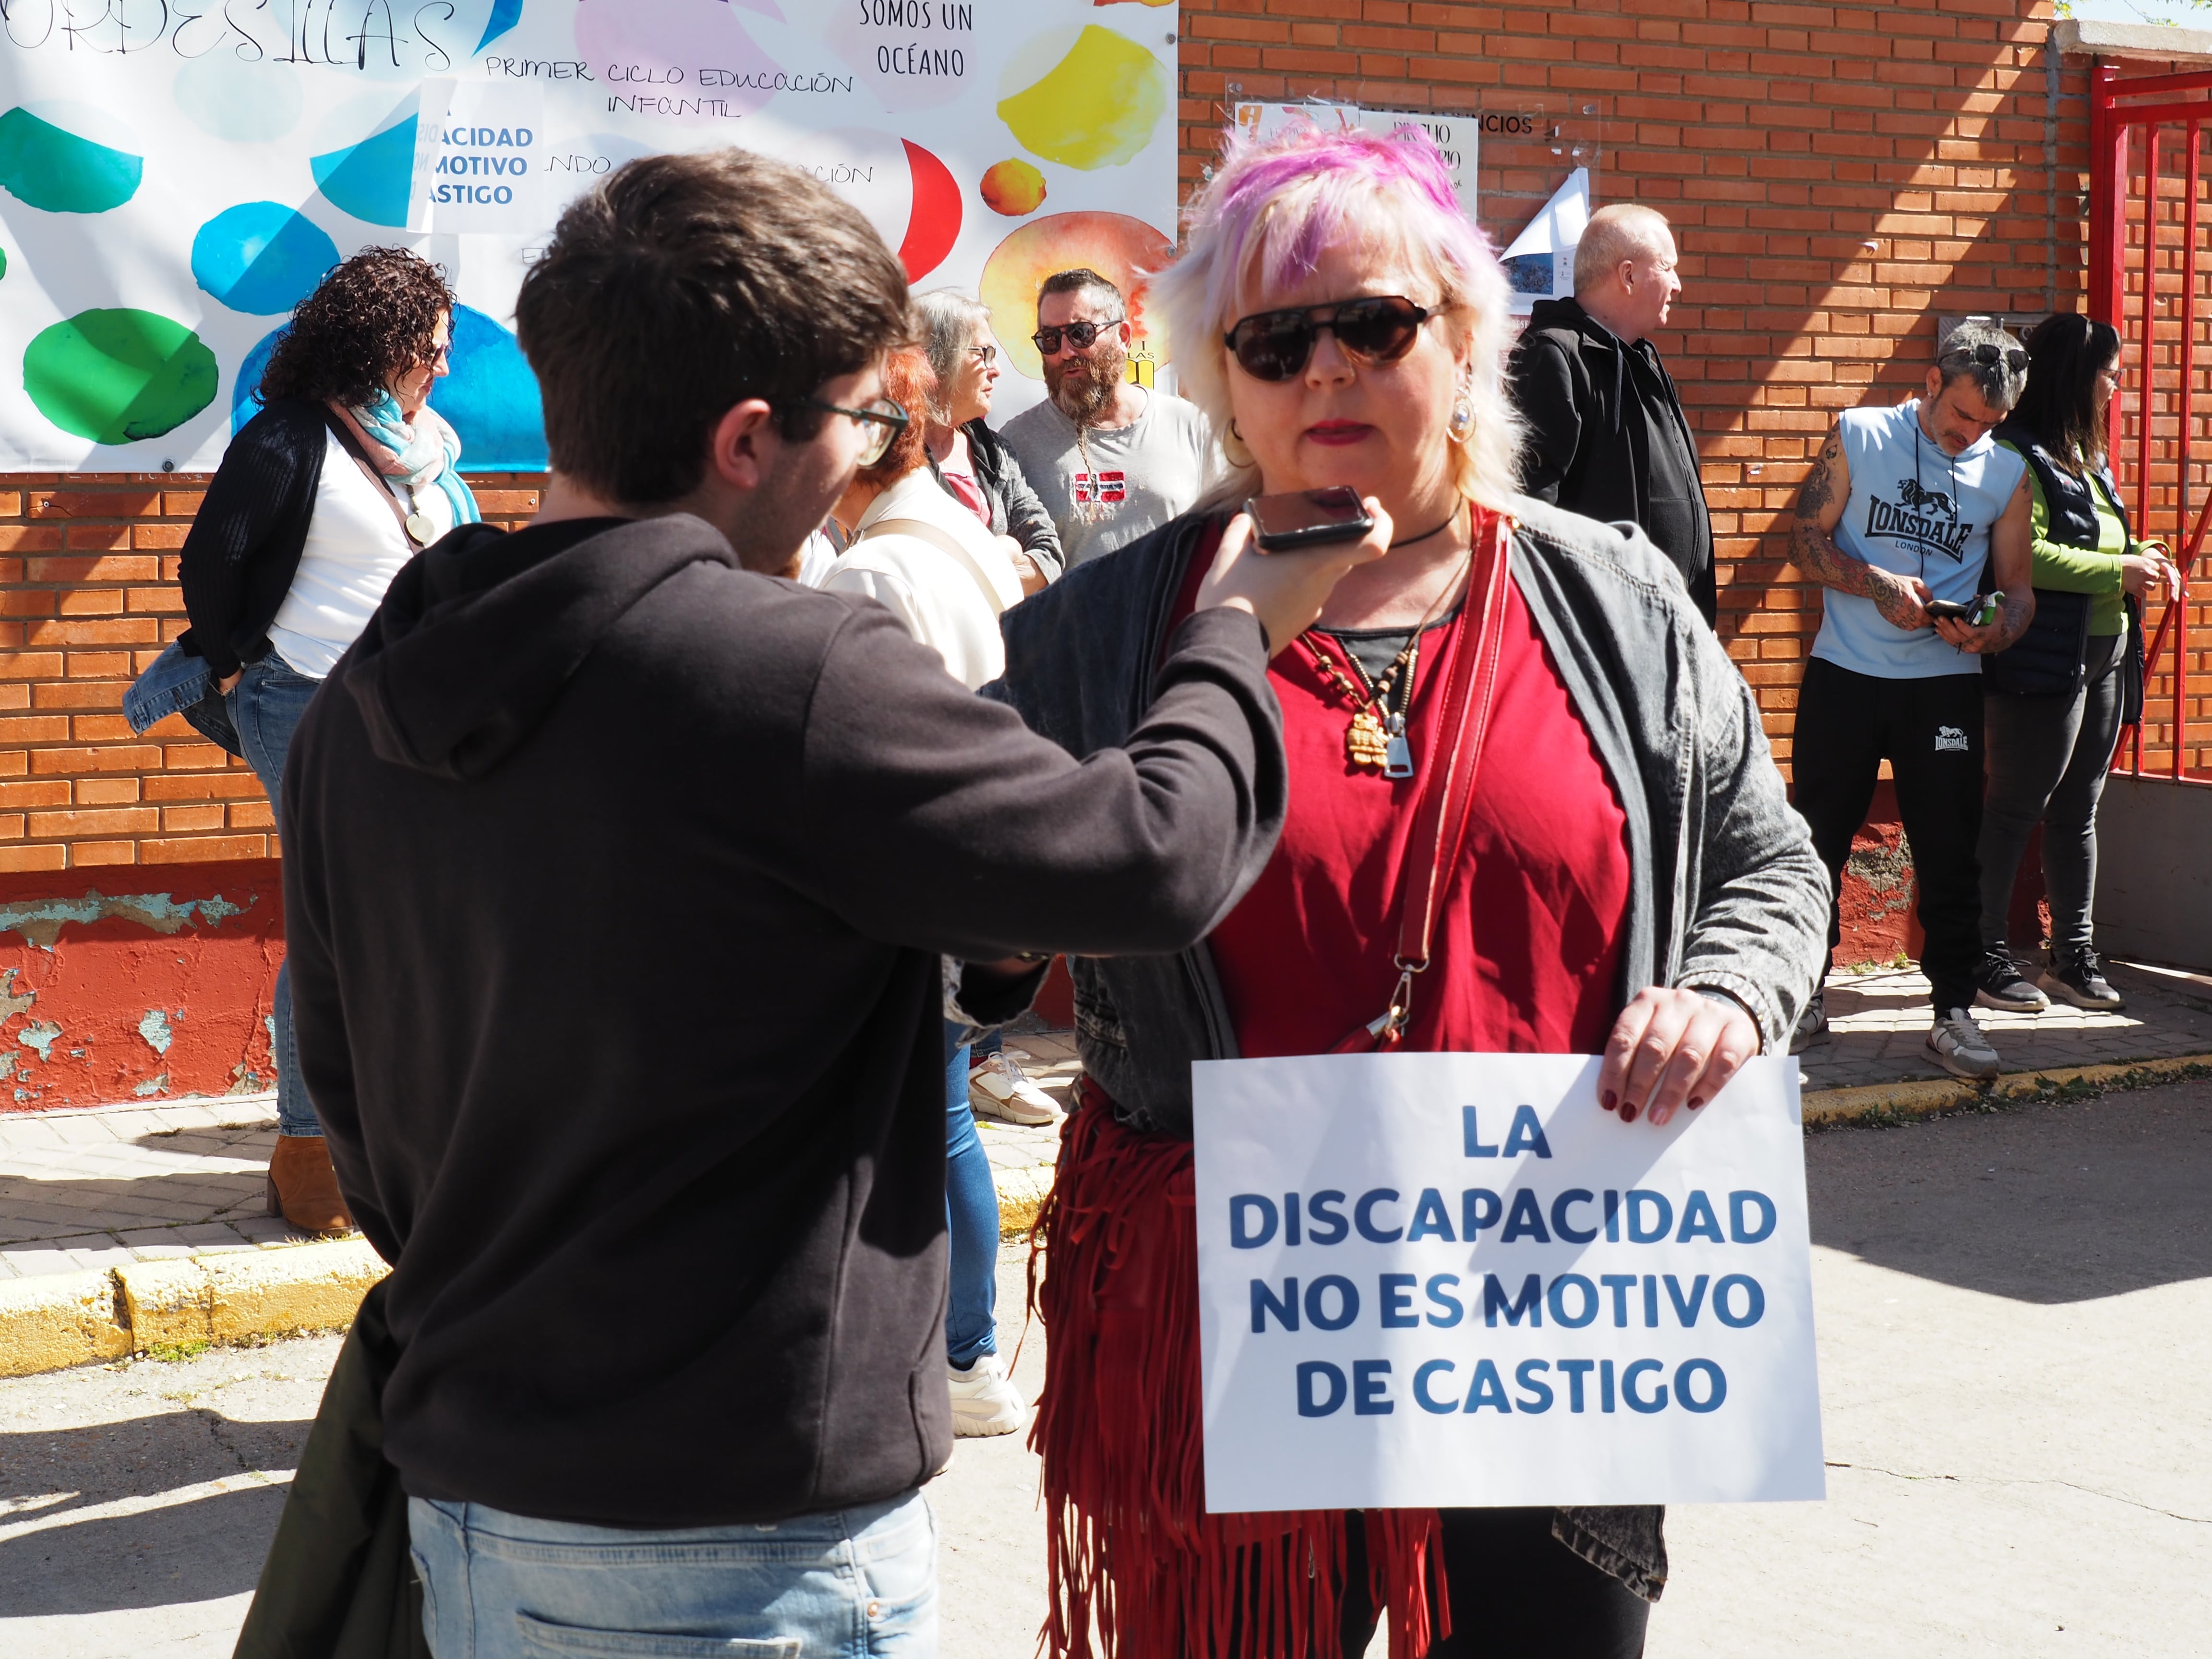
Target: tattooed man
{"x": 1907, "y": 512}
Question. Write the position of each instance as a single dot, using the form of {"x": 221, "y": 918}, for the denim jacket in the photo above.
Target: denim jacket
{"x": 1726, "y": 893}
{"x": 181, "y": 683}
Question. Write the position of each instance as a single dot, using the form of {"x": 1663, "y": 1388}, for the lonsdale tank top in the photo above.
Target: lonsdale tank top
{"x": 1917, "y": 512}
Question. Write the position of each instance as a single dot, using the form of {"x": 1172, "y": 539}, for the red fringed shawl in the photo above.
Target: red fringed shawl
{"x": 1131, "y": 1551}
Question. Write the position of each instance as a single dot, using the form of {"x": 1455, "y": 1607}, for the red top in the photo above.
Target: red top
{"x": 1526, "y": 952}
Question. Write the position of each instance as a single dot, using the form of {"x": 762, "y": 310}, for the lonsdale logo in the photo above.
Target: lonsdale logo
{"x": 1925, "y": 517}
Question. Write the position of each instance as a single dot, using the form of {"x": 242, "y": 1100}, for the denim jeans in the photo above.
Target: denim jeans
{"x": 265, "y": 706}
{"x": 971, "y": 1219}
{"x": 856, "y": 1584}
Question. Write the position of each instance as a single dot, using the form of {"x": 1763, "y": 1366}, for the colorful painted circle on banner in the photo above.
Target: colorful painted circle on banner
{"x": 51, "y": 167}
{"x": 1096, "y": 106}
{"x": 490, "y": 398}
{"x": 371, "y": 180}
{"x": 1115, "y": 245}
{"x": 116, "y": 376}
{"x": 261, "y": 257}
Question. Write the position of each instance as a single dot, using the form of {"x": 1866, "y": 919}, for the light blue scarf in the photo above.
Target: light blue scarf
{"x": 424, "y": 454}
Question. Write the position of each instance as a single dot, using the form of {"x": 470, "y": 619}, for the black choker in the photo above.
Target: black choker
{"x": 1438, "y": 530}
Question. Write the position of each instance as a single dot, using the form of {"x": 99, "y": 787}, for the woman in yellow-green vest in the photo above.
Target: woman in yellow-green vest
{"x": 2053, "y": 704}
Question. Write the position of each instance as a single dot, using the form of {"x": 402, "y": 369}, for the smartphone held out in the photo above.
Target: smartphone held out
{"x": 1307, "y": 517}
{"x": 1980, "y": 614}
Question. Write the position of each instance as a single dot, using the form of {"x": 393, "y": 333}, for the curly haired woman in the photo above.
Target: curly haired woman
{"x": 341, "y": 478}
{"x": 1629, "y": 878}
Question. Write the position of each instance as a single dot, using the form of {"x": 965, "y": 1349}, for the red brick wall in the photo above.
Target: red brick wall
{"x": 88, "y": 598}
{"x": 1780, "y": 140}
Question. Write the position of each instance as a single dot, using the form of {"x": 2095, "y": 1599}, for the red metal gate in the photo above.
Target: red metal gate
{"x": 2146, "y": 155}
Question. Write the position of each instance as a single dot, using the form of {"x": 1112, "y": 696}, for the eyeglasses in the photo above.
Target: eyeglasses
{"x": 1080, "y": 335}
{"x": 884, "y": 419}
{"x": 1274, "y": 345}
{"x": 985, "y": 355}
{"x": 2012, "y": 357}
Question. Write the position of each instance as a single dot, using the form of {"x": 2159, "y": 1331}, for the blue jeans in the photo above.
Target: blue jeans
{"x": 857, "y": 1584}
{"x": 971, "y": 1220}
{"x": 265, "y": 706}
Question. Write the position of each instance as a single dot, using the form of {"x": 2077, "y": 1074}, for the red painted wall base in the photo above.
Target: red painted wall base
{"x": 138, "y": 982}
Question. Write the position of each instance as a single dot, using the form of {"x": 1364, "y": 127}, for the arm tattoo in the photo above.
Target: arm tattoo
{"x": 1814, "y": 550}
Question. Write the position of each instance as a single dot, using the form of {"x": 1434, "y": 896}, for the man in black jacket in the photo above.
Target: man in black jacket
{"x": 1606, "y": 436}
{"x": 618, "y": 874}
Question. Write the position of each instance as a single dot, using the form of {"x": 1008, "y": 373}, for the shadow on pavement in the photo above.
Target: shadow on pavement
{"x": 2047, "y": 1203}
{"x": 140, "y": 1458}
{"x": 195, "y": 1552}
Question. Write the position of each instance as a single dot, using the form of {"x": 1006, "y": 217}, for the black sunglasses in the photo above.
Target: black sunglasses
{"x": 2012, "y": 357}
{"x": 1274, "y": 345}
{"x": 885, "y": 419}
{"x": 1080, "y": 335}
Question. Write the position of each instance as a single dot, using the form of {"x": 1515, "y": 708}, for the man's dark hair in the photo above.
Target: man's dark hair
{"x": 370, "y": 319}
{"x": 1077, "y": 281}
{"x": 682, "y": 285}
{"x": 2065, "y": 353}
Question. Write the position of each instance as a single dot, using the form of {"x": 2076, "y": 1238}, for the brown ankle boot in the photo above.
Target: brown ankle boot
{"x": 303, "y": 1187}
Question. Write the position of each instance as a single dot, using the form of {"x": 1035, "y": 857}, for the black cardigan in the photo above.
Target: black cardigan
{"x": 244, "y": 547}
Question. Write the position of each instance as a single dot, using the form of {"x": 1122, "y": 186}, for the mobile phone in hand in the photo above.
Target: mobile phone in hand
{"x": 1980, "y": 614}
{"x": 1307, "y": 518}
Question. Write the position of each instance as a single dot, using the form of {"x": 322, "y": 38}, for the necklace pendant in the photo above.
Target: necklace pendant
{"x": 420, "y": 529}
{"x": 1397, "y": 753}
{"x": 1365, "y": 744}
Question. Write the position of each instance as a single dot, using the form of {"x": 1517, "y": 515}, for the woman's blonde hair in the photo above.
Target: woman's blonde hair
{"x": 1275, "y": 205}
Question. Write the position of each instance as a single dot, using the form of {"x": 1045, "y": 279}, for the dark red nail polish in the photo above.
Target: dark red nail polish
{"x": 1696, "y": 1101}
{"x": 1610, "y": 1101}
{"x": 1627, "y": 1112}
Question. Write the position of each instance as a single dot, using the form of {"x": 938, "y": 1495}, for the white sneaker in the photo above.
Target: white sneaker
{"x": 1960, "y": 1048}
{"x": 983, "y": 1401}
{"x": 1000, "y": 1088}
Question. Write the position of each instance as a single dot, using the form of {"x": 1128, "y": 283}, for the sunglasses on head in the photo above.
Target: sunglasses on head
{"x": 1080, "y": 335}
{"x": 2012, "y": 357}
{"x": 1274, "y": 345}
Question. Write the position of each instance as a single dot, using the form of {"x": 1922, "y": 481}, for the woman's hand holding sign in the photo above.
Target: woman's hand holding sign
{"x": 1672, "y": 1045}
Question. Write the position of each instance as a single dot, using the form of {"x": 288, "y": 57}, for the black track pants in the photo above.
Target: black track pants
{"x": 1929, "y": 731}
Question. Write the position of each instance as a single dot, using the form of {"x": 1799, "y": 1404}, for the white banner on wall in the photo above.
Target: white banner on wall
{"x": 1455, "y": 136}
{"x": 1539, "y": 265}
{"x": 1452, "y": 1279}
{"x": 174, "y": 179}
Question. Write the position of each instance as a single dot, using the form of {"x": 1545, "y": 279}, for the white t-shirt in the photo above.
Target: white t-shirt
{"x": 1915, "y": 511}
{"x": 355, "y": 547}
{"x": 1139, "y": 476}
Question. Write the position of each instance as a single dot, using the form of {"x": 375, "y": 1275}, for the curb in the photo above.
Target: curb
{"x": 58, "y": 1320}
{"x": 1888, "y": 1102}
{"x": 1021, "y": 1194}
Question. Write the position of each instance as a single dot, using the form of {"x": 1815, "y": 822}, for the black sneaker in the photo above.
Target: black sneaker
{"x": 2080, "y": 978}
{"x": 1812, "y": 1024}
{"x": 1998, "y": 983}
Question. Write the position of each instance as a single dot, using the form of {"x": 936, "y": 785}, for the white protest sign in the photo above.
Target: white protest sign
{"x": 1453, "y": 1281}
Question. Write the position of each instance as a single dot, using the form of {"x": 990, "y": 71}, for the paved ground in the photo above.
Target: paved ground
{"x": 1880, "y": 1023}
{"x": 93, "y": 1190}
{"x": 2015, "y": 1323}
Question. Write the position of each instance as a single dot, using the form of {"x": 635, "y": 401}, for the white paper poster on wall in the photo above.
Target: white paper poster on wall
{"x": 1541, "y": 263}
{"x": 174, "y": 179}
{"x": 1452, "y": 1279}
{"x": 1454, "y": 135}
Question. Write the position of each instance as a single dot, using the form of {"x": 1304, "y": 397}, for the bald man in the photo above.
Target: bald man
{"x": 1608, "y": 438}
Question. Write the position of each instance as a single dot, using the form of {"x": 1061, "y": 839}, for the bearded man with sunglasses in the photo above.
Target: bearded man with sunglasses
{"x": 1110, "y": 459}
{"x": 1908, "y": 515}
{"x": 619, "y": 872}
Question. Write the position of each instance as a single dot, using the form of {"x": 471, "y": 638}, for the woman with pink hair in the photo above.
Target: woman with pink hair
{"x": 1531, "y": 810}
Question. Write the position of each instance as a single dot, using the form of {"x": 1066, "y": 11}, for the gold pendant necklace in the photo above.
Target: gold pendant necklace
{"x": 1378, "y": 742}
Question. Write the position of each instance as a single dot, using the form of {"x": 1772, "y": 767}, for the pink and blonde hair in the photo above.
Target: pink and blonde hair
{"x": 1267, "y": 212}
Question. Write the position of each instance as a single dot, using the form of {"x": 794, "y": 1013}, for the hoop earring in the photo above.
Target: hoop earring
{"x": 1461, "y": 424}
{"x": 1238, "y": 437}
